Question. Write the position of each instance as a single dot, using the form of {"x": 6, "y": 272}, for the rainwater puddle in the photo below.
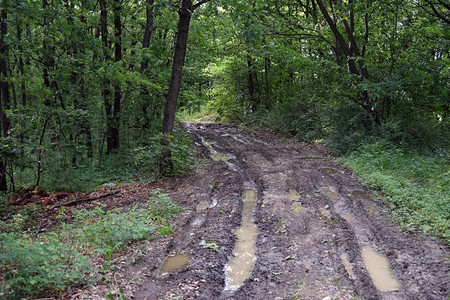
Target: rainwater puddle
{"x": 328, "y": 170}
{"x": 325, "y": 213}
{"x": 297, "y": 208}
{"x": 357, "y": 194}
{"x": 293, "y": 195}
{"x": 379, "y": 270}
{"x": 347, "y": 217}
{"x": 241, "y": 265}
{"x": 215, "y": 156}
{"x": 202, "y": 206}
{"x": 174, "y": 263}
{"x": 330, "y": 194}
{"x": 371, "y": 207}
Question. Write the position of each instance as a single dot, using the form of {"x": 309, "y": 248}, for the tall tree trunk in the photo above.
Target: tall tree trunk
{"x": 4, "y": 89}
{"x": 49, "y": 65}
{"x": 21, "y": 66}
{"x": 351, "y": 50}
{"x": 175, "y": 84}
{"x": 251, "y": 83}
{"x": 106, "y": 91}
{"x": 115, "y": 138}
{"x": 144, "y": 64}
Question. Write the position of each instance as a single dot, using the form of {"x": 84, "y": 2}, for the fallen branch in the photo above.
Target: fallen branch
{"x": 76, "y": 201}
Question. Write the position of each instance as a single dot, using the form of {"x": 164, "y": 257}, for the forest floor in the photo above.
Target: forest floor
{"x": 317, "y": 232}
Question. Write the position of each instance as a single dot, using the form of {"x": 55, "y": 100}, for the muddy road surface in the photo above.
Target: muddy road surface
{"x": 267, "y": 218}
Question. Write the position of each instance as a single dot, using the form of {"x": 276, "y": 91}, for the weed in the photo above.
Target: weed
{"x": 161, "y": 208}
{"x": 54, "y": 261}
{"x": 332, "y": 222}
{"x": 212, "y": 246}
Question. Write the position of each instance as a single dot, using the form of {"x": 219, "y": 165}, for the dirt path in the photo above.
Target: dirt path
{"x": 320, "y": 233}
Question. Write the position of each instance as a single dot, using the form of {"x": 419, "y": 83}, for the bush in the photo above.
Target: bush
{"x": 296, "y": 117}
{"x": 28, "y": 267}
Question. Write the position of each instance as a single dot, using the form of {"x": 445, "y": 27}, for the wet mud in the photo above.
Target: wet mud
{"x": 315, "y": 231}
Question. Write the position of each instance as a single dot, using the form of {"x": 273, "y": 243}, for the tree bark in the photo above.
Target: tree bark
{"x": 184, "y": 20}
{"x": 4, "y": 90}
{"x": 115, "y": 138}
{"x": 351, "y": 50}
{"x": 106, "y": 92}
{"x": 144, "y": 64}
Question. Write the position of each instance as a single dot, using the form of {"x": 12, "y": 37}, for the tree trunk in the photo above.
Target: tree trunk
{"x": 352, "y": 50}
{"x": 174, "y": 85}
{"x": 4, "y": 90}
{"x": 175, "y": 81}
{"x": 106, "y": 92}
{"x": 144, "y": 64}
{"x": 115, "y": 138}
{"x": 251, "y": 83}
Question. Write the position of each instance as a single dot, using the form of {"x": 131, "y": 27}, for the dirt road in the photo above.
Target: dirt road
{"x": 307, "y": 230}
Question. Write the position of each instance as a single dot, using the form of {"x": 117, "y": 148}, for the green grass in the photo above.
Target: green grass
{"x": 32, "y": 264}
{"x": 415, "y": 185}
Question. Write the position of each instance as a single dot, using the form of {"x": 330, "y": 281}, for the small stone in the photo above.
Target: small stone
{"x": 327, "y": 298}
{"x": 203, "y": 281}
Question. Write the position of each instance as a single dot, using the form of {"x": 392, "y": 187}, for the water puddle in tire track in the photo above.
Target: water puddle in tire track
{"x": 379, "y": 270}
{"x": 174, "y": 263}
{"x": 241, "y": 265}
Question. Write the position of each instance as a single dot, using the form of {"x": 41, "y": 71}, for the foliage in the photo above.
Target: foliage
{"x": 30, "y": 266}
{"x": 161, "y": 208}
{"x": 183, "y": 153}
{"x": 54, "y": 261}
{"x": 417, "y": 186}
{"x": 212, "y": 246}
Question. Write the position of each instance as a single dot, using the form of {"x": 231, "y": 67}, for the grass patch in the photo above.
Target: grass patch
{"x": 415, "y": 185}
{"x": 75, "y": 253}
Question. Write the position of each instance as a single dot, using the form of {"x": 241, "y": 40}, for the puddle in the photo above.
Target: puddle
{"x": 358, "y": 194}
{"x": 218, "y": 157}
{"x": 328, "y": 170}
{"x": 297, "y": 208}
{"x": 379, "y": 270}
{"x": 371, "y": 207}
{"x": 325, "y": 212}
{"x": 241, "y": 265}
{"x": 293, "y": 195}
{"x": 347, "y": 217}
{"x": 202, "y": 206}
{"x": 174, "y": 263}
{"x": 330, "y": 194}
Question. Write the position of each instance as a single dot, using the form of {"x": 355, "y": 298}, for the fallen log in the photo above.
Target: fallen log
{"x": 76, "y": 201}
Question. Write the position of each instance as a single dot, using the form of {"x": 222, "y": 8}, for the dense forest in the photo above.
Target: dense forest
{"x": 92, "y": 86}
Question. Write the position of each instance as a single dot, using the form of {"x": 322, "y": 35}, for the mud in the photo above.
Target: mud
{"x": 312, "y": 226}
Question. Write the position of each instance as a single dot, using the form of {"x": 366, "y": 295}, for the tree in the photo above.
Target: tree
{"x": 4, "y": 88}
{"x": 185, "y": 13}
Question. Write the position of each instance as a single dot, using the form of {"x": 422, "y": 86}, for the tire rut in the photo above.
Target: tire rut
{"x": 310, "y": 239}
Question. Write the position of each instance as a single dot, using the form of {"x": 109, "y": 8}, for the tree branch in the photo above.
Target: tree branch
{"x": 197, "y": 5}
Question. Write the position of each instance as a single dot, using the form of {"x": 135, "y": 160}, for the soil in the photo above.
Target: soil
{"x": 314, "y": 222}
